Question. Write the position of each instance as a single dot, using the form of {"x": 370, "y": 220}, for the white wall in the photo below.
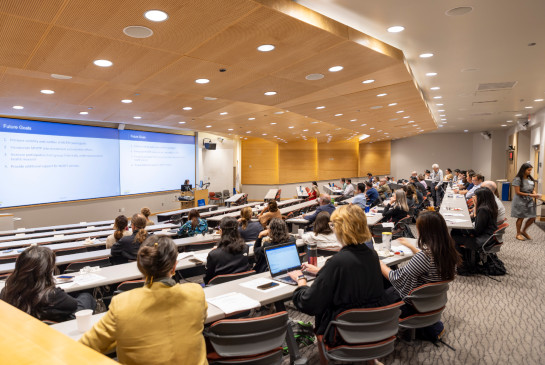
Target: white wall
{"x": 481, "y": 155}
{"x": 524, "y": 146}
{"x": 216, "y": 166}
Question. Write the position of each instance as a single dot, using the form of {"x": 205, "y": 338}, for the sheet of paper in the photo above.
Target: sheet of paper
{"x": 86, "y": 279}
{"x": 253, "y": 284}
{"x": 456, "y": 220}
{"x": 193, "y": 255}
{"x": 233, "y": 302}
{"x": 388, "y": 224}
{"x": 453, "y": 214}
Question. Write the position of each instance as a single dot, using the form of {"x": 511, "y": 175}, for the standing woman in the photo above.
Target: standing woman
{"x": 524, "y": 206}
{"x": 231, "y": 255}
{"x": 31, "y": 288}
{"x": 160, "y": 323}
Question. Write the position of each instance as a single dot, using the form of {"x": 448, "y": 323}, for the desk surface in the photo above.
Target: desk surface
{"x": 455, "y": 204}
{"x": 271, "y": 194}
{"x": 227, "y": 210}
{"x": 264, "y": 297}
{"x": 25, "y": 236}
{"x": 235, "y": 198}
{"x": 55, "y": 228}
{"x": 187, "y": 210}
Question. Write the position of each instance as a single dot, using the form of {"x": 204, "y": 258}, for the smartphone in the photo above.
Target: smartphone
{"x": 272, "y": 284}
{"x": 195, "y": 261}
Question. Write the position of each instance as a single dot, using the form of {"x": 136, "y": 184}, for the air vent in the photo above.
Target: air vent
{"x": 496, "y": 86}
{"x": 480, "y": 114}
{"x": 479, "y": 103}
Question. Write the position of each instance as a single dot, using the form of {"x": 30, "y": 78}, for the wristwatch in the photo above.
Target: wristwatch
{"x": 300, "y": 277}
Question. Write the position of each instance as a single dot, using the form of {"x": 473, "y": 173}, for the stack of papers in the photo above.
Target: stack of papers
{"x": 453, "y": 214}
{"x": 193, "y": 255}
{"x": 456, "y": 220}
{"x": 233, "y": 302}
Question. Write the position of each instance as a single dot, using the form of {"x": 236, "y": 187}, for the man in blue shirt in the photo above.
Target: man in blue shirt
{"x": 325, "y": 206}
{"x": 360, "y": 198}
{"x": 372, "y": 194}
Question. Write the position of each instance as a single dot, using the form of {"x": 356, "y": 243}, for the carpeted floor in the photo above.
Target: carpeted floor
{"x": 486, "y": 321}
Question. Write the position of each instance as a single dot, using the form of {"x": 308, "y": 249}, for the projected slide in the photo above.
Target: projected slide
{"x": 155, "y": 161}
{"x": 43, "y": 162}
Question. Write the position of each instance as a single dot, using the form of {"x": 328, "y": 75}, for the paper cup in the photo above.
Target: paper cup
{"x": 387, "y": 240}
{"x": 83, "y": 320}
{"x": 300, "y": 232}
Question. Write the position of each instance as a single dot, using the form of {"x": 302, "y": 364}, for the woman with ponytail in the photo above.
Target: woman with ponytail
{"x": 126, "y": 248}
{"x": 160, "y": 323}
{"x": 121, "y": 226}
{"x": 248, "y": 230}
{"x": 231, "y": 255}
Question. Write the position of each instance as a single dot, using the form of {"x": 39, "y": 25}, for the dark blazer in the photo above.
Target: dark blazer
{"x": 485, "y": 225}
{"x": 259, "y": 253}
{"x": 322, "y": 208}
{"x": 394, "y": 214}
{"x": 251, "y": 232}
{"x": 349, "y": 279}
{"x": 220, "y": 262}
{"x": 125, "y": 250}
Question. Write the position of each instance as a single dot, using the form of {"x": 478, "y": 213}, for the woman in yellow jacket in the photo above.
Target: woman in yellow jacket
{"x": 162, "y": 322}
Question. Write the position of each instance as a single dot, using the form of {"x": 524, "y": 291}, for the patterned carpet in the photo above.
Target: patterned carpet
{"x": 486, "y": 321}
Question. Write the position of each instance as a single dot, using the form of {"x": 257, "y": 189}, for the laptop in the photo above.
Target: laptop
{"x": 283, "y": 259}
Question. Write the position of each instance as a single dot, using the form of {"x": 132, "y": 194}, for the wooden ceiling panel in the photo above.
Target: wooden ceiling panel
{"x": 18, "y": 38}
{"x": 72, "y": 53}
{"x": 111, "y": 96}
{"x": 42, "y": 11}
{"x": 237, "y": 45}
{"x": 190, "y": 22}
{"x": 357, "y": 61}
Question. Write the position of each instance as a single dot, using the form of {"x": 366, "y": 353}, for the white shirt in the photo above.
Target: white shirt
{"x": 471, "y": 192}
{"x": 349, "y": 190}
{"x": 322, "y": 240}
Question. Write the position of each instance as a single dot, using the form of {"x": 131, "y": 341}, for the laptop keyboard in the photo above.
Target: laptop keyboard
{"x": 287, "y": 279}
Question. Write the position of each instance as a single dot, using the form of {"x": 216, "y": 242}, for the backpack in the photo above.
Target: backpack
{"x": 431, "y": 333}
{"x": 493, "y": 266}
{"x": 303, "y": 333}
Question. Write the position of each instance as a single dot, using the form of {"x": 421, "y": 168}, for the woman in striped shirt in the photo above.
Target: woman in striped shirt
{"x": 434, "y": 260}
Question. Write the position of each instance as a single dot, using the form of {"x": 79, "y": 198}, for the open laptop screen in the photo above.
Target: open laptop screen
{"x": 282, "y": 258}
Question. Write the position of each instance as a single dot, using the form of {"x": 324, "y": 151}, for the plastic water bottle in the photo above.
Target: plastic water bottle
{"x": 313, "y": 254}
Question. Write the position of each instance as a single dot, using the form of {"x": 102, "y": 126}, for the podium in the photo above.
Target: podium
{"x": 197, "y": 194}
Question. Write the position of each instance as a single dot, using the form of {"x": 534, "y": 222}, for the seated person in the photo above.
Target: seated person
{"x": 414, "y": 197}
{"x": 414, "y": 174}
{"x": 422, "y": 181}
{"x": 491, "y": 185}
{"x": 427, "y": 175}
{"x": 486, "y": 217}
{"x": 372, "y": 195}
{"x": 31, "y": 288}
{"x": 231, "y": 253}
{"x": 434, "y": 260}
{"x": 455, "y": 175}
{"x": 421, "y": 191}
{"x": 343, "y": 183}
{"x": 360, "y": 198}
{"x": 146, "y": 212}
{"x": 370, "y": 177}
{"x": 141, "y": 324}
{"x": 397, "y": 209}
{"x": 276, "y": 234}
{"x": 355, "y": 266}
{"x": 325, "y": 206}
{"x": 468, "y": 185}
{"x": 448, "y": 176}
{"x": 477, "y": 180}
{"x": 348, "y": 191}
{"x": 384, "y": 190}
{"x": 271, "y": 211}
{"x": 322, "y": 235}
{"x": 248, "y": 229}
{"x": 194, "y": 225}
{"x": 314, "y": 191}
{"x": 121, "y": 227}
{"x": 126, "y": 248}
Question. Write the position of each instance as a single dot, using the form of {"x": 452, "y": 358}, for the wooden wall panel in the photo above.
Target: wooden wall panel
{"x": 298, "y": 161}
{"x": 259, "y": 162}
{"x": 375, "y": 158}
{"x": 338, "y": 159}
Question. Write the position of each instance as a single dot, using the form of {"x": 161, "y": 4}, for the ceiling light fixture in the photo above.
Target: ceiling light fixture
{"x": 270, "y": 93}
{"x": 291, "y": 127}
{"x": 230, "y": 129}
{"x": 265, "y": 48}
{"x": 431, "y": 74}
{"x": 439, "y": 104}
{"x": 208, "y": 126}
{"x": 320, "y": 107}
{"x": 156, "y": 15}
{"x": 383, "y": 94}
{"x": 84, "y": 113}
{"x": 438, "y": 97}
{"x": 435, "y": 88}
{"x": 426, "y": 55}
{"x": 61, "y": 77}
{"x": 396, "y": 29}
{"x": 370, "y": 81}
{"x": 465, "y": 130}
{"x": 181, "y": 122}
{"x": 210, "y": 98}
{"x": 103, "y": 63}
{"x": 392, "y": 104}
{"x": 187, "y": 108}
{"x": 251, "y": 118}
{"x": 504, "y": 125}
{"x": 314, "y": 77}
{"x": 202, "y": 81}
{"x": 528, "y": 107}
{"x": 537, "y": 100}
{"x": 338, "y": 114}
{"x": 399, "y": 111}
{"x": 126, "y": 101}
{"x": 224, "y": 113}
{"x": 353, "y": 120}
{"x": 48, "y": 92}
{"x": 137, "y": 31}
{"x": 273, "y": 123}
{"x": 335, "y": 68}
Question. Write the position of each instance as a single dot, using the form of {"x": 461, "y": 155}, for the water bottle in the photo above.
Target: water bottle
{"x": 313, "y": 254}
{"x": 332, "y": 200}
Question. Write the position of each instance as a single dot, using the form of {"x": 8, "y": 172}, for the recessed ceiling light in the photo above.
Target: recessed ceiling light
{"x": 392, "y": 104}
{"x": 439, "y": 104}
{"x": 208, "y": 126}
{"x": 248, "y": 131}
{"x": 504, "y": 125}
{"x": 435, "y": 88}
{"x": 137, "y": 117}
{"x": 313, "y": 77}
{"x": 465, "y": 130}
{"x": 61, "y": 77}
{"x": 313, "y": 122}
{"x": 103, "y": 63}
{"x": 48, "y": 92}
{"x": 538, "y": 100}
{"x": 137, "y": 31}
{"x": 443, "y": 119}
{"x": 264, "y": 134}
{"x": 187, "y": 108}
{"x": 442, "y": 115}
{"x": 320, "y": 107}
{"x": 280, "y": 112}
{"x": 410, "y": 121}
{"x": 230, "y": 129}
{"x": 372, "y": 128}
{"x": 338, "y": 114}
{"x": 252, "y": 118}
{"x": 273, "y": 123}
{"x": 202, "y": 81}
{"x": 335, "y": 68}
{"x": 509, "y": 121}
{"x": 431, "y": 74}
{"x": 399, "y": 111}
{"x": 291, "y": 127}
{"x": 528, "y": 107}
{"x": 426, "y": 55}
{"x": 84, "y": 113}
{"x": 126, "y": 101}
{"x": 317, "y": 132}
{"x": 353, "y": 120}
{"x": 438, "y": 97}
{"x": 441, "y": 110}
{"x": 383, "y": 94}
{"x": 224, "y": 113}
{"x": 518, "y": 115}
{"x": 156, "y": 15}
{"x": 210, "y": 98}
{"x": 337, "y": 129}
{"x": 462, "y": 10}
{"x": 181, "y": 122}
{"x": 396, "y": 29}
{"x": 270, "y": 93}
{"x": 363, "y": 125}
{"x": 376, "y": 107}
{"x": 370, "y": 81}
{"x": 444, "y": 122}
{"x": 265, "y": 48}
